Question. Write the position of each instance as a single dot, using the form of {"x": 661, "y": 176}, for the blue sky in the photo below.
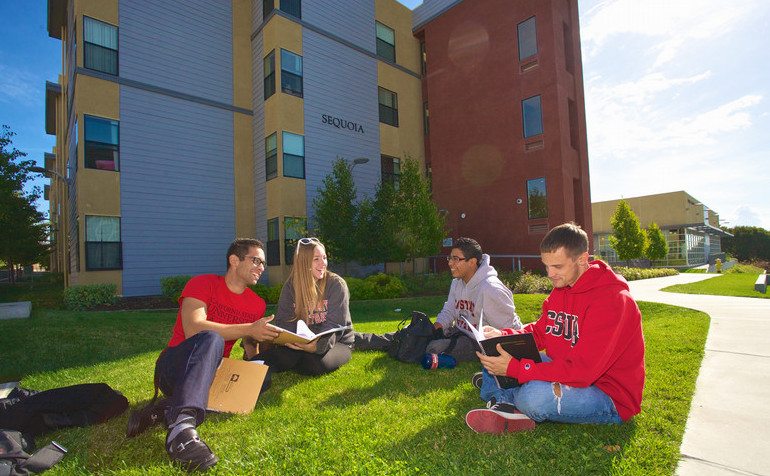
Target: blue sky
{"x": 676, "y": 97}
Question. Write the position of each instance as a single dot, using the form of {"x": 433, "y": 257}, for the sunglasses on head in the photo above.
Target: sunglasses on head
{"x": 307, "y": 241}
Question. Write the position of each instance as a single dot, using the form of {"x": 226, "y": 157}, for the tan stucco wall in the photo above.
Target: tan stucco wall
{"x": 665, "y": 209}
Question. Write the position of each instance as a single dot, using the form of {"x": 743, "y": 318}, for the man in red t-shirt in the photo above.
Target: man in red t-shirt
{"x": 214, "y": 311}
{"x": 590, "y": 331}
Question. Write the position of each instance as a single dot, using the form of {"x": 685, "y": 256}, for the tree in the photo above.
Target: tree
{"x": 22, "y": 232}
{"x": 336, "y": 213}
{"x": 410, "y": 222}
{"x": 748, "y": 243}
{"x": 627, "y": 238}
{"x": 657, "y": 248}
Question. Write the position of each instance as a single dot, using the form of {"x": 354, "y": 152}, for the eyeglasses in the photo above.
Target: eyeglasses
{"x": 256, "y": 260}
{"x": 454, "y": 259}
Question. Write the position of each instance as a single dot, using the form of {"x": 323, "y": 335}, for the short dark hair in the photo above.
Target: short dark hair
{"x": 570, "y": 236}
{"x": 469, "y": 247}
{"x": 240, "y": 246}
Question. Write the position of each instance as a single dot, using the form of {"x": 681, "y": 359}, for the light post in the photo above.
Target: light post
{"x": 358, "y": 161}
{"x": 61, "y": 222}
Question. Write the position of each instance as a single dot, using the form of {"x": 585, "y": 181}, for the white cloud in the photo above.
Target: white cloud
{"x": 19, "y": 86}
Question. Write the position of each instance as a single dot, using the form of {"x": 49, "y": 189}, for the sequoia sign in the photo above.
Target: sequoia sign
{"x": 340, "y": 123}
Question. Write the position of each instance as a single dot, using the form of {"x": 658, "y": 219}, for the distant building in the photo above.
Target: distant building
{"x": 183, "y": 124}
{"x": 690, "y": 227}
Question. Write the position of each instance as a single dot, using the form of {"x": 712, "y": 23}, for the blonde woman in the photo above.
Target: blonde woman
{"x": 320, "y": 299}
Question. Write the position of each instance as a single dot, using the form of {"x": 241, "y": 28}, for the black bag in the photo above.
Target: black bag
{"x": 15, "y": 457}
{"x": 409, "y": 342}
{"x": 78, "y": 405}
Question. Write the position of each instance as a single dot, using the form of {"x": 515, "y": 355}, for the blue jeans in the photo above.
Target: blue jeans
{"x": 539, "y": 401}
{"x": 184, "y": 373}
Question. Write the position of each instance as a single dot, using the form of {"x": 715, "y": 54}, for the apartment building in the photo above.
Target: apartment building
{"x": 181, "y": 125}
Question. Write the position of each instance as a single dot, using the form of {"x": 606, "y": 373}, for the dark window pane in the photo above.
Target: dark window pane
{"x": 537, "y": 202}
{"x": 532, "y": 116}
{"x": 269, "y": 66}
{"x": 267, "y": 8}
{"x": 291, "y": 83}
{"x": 102, "y": 143}
{"x": 527, "y": 38}
{"x": 292, "y": 7}
{"x": 293, "y": 166}
{"x": 386, "y": 51}
{"x": 100, "y": 59}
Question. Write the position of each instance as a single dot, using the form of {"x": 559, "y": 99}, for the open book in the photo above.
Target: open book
{"x": 520, "y": 346}
{"x": 303, "y": 334}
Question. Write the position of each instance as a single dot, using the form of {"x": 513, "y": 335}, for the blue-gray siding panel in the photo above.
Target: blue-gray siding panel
{"x": 340, "y": 82}
{"x": 176, "y": 187}
{"x": 184, "y": 46}
{"x": 258, "y": 124}
{"x": 350, "y": 20}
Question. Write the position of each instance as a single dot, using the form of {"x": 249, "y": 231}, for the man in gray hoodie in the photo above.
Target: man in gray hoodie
{"x": 476, "y": 294}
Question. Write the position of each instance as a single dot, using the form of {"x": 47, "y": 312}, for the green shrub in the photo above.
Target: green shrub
{"x": 376, "y": 286}
{"x": 632, "y": 274}
{"x": 86, "y": 296}
{"x": 530, "y": 283}
{"x": 744, "y": 268}
{"x": 172, "y": 286}
{"x": 270, "y": 294}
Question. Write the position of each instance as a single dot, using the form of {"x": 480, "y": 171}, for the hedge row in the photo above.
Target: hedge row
{"x": 376, "y": 286}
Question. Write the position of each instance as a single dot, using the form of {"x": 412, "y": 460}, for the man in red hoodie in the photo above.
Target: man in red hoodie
{"x": 591, "y": 342}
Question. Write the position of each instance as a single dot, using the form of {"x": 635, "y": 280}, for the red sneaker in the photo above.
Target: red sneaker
{"x": 498, "y": 418}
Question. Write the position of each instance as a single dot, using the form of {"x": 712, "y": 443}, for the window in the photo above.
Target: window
{"x": 426, "y": 118}
{"x": 532, "y": 116}
{"x": 527, "y": 35}
{"x": 391, "y": 169}
{"x": 273, "y": 242}
{"x": 102, "y": 143}
{"x": 423, "y": 59}
{"x": 537, "y": 203}
{"x": 293, "y": 155}
{"x": 388, "y": 107}
{"x": 294, "y": 229}
{"x": 103, "y": 247}
{"x": 291, "y": 73}
{"x": 269, "y": 67}
{"x": 292, "y": 7}
{"x": 267, "y": 8}
{"x": 271, "y": 156}
{"x": 386, "y": 42}
{"x": 100, "y": 46}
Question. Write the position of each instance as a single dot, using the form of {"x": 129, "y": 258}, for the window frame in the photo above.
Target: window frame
{"x": 273, "y": 245}
{"x": 288, "y": 76}
{"x": 90, "y": 47}
{"x": 291, "y": 7}
{"x": 530, "y": 114}
{"x": 292, "y": 156}
{"x": 385, "y": 49}
{"x": 91, "y": 244}
{"x": 268, "y": 78}
{"x": 533, "y": 187}
{"x": 527, "y": 31}
{"x": 390, "y": 169}
{"x": 271, "y": 156}
{"x": 388, "y": 114}
{"x": 93, "y": 149}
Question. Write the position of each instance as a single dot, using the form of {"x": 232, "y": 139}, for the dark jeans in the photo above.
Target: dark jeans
{"x": 459, "y": 346}
{"x": 282, "y": 358}
{"x": 184, "y": 373}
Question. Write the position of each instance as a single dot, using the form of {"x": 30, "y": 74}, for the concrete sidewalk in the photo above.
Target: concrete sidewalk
{"x": 729, "y": 421}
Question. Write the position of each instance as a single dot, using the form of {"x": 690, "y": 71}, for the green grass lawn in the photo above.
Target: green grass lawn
{"x": 373, "y": 416}
{"x": 734, "y": 284}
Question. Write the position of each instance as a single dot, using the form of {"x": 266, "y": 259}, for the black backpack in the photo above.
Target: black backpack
{"x": 409, "y": 342}
{"x": 19, "y": 458}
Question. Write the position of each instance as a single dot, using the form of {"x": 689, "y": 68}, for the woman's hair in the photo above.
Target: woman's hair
{"x": 307, "y": 292}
